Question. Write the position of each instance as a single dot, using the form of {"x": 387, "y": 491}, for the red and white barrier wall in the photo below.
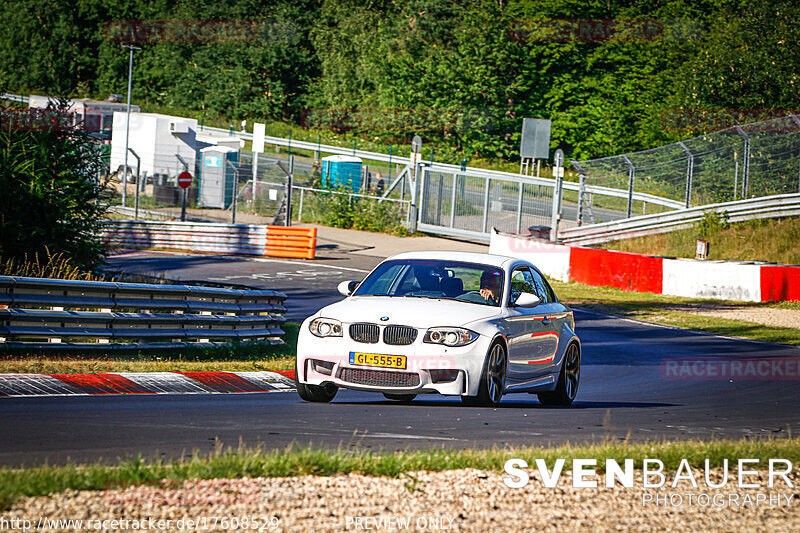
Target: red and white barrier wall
{"x": 722, "y": 280}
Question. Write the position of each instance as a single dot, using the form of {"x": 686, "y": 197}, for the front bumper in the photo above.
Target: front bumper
{"x": 429, "y": 368}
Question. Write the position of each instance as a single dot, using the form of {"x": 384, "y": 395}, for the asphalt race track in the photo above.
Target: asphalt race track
{"x": 626, "y": 392}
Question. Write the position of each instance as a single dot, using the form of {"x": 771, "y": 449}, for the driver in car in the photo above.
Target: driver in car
{"x": 490, "y": 286}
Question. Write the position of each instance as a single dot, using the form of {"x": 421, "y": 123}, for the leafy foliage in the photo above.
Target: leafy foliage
{"x": 49, "y": 188}
{"x": 613, "y": 76}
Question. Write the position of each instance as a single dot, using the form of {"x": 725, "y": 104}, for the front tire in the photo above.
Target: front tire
{"x": 568, "y": 380}
{"x": 316, "y": 393}
{"x": 493, "y": 379}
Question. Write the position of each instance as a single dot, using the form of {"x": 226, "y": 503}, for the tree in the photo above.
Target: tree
{"x": 49, "y": 187}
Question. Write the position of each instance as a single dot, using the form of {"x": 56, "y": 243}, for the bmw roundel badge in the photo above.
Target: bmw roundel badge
{"x": 384, "y": 318}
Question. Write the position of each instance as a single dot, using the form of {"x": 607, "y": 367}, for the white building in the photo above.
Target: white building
{"x": 156, "y": 139}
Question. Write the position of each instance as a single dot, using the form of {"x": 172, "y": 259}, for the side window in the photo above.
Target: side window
{"x": 542, "y": 289}
{"x": 521, "y": 281}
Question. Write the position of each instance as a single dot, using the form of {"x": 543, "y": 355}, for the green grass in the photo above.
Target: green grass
{"x": 667, "y": 310}
{"x": 243, "y": 462}
{"x": 775, "y": 240}
{"x": 231, "y": 358}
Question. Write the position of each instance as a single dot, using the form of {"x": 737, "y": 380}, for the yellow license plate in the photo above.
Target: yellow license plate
{"x": 376, "y": 359}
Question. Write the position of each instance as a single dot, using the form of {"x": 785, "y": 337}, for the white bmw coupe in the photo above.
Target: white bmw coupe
{"x": 472, "y": 325}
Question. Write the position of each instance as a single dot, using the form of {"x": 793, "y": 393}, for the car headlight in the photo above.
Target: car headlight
{"x": 450, "y": 336}
{"x": 325, "y": 327}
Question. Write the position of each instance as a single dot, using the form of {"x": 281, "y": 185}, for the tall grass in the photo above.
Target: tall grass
{"x": 50, "y": 265}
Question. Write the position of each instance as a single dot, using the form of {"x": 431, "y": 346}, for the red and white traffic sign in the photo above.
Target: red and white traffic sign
{"x": 185, "y": 180}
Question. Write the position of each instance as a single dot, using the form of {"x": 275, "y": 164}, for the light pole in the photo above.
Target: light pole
{"x": 128, "y": 124}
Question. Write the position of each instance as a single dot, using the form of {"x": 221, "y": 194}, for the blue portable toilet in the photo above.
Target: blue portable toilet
{"x": 217, "y": 178}
{"x": 341, "y": 171}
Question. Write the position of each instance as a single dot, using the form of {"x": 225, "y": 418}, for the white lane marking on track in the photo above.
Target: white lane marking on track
{"x": 366, "y": 434}
{"x": 260, "y": 260}
{"x": 403, "y": 436}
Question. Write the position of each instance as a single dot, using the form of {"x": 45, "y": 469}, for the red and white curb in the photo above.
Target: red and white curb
{"x": 145, "y": 383}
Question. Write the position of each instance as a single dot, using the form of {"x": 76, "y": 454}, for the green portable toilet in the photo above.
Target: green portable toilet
{"x": 341, "y": 171}
{"x": 217, "y": 178}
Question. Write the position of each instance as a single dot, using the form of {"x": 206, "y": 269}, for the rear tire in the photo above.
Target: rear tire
{"x": 405, "y": 398}
{"x": 568, "y": 380}
{"x": 493, "y": 379}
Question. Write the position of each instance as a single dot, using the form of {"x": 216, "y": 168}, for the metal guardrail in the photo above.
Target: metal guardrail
{"x": 765, "y": 207}
{"x": 15, "y": 97}
{"x": 53, "y": 313}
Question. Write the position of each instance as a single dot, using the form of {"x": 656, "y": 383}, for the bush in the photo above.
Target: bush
{"x": 49, "y": 187}
{"x": 340, "y": 211}
{"x": 711, "y": 224}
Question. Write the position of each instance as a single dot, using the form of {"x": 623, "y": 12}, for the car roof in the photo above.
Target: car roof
{"x": 467, "y": 257}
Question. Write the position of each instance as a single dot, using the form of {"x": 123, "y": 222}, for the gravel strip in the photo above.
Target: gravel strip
{"x": 461, "y": 500}
{"x": 767, "y": 316}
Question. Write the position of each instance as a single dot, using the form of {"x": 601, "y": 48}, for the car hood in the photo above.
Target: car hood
{"x": 416, "y": 312}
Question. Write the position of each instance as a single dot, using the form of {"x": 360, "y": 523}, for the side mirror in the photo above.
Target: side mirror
{"x": 346, "y": 288}
{"x": 527, "y": 299}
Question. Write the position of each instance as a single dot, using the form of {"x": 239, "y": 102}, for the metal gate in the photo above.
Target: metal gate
{"x": 469, "y": 204}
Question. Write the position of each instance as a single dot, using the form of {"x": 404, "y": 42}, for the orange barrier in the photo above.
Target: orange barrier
{"x": 291, "y": 242}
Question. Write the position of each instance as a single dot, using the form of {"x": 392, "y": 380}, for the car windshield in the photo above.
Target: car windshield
{"x": 420, "y": 278}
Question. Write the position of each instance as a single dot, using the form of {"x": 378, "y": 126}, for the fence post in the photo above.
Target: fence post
{"x": 631, "y": 174}
{"x": 439, "y": 194}
{"x": 235, "y": 191}
{"x": 300, "y": 214}
{"x": 519, "y": 207}
{"x": 555, "y": 212}
{"x": 735, "y": 178}
{"x": 255, "y": 179}
{"x": 689, "y": 172}
{"x": 581, "y": 198}
{"x": 138, "y": 167}
{"x": 389, "y": 179}
{"x": 289, "y": 183}
{"x": 453, "y": 201}
{"x": 486, "y": 206}
{"x": 413, "y": 190}
{"x": 183, "y": 190}
{"x": 745, "y": 159}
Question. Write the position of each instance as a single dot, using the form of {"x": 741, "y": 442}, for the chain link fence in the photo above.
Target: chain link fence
{"x": 749, "y": 161}
{"x": 237, "y": 186}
